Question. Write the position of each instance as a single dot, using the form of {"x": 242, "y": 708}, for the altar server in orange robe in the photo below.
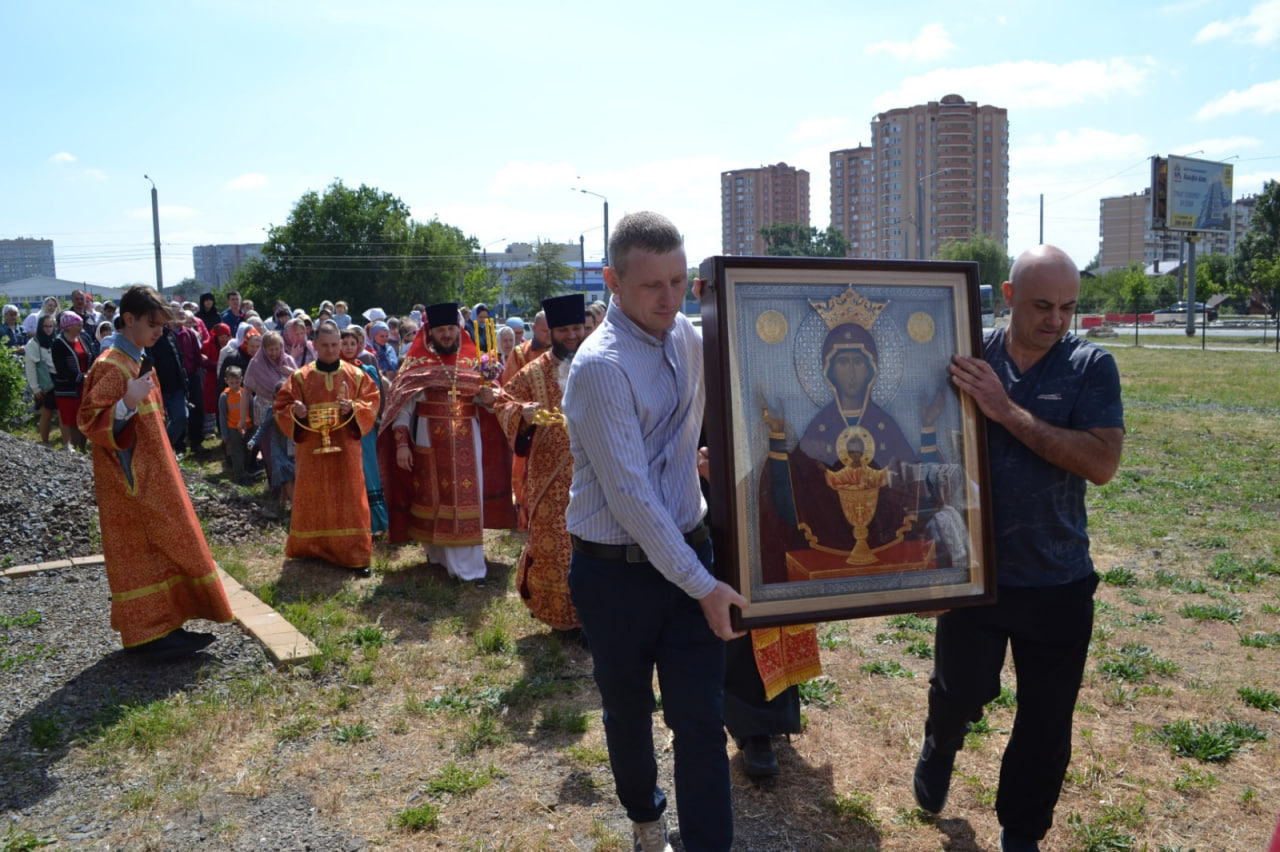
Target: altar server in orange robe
{"x": 158, "y": 564}
{"x": 542, "y": 574}
{"x": 330, "y": 508}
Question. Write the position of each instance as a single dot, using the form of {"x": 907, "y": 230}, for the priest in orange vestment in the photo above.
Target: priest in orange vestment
{"x": 158, "y": 564}
{"x": 330, "y": 507}
{"x": 542, "y": 574}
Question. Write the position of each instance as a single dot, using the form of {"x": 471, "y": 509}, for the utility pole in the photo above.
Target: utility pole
{"x": 155, "y": 227}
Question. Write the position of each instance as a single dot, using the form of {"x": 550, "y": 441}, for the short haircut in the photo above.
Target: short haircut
{"x": 328, "y": 327}
{"x": 143, "y": 301}
{"x": 233, "y": 372}
{"x": 644, "y": 230}
{"x": 340, "y": 304}
{"x": 233, "y": 293}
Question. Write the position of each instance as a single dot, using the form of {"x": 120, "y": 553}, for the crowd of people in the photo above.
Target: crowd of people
{"x": 434, "y": 426}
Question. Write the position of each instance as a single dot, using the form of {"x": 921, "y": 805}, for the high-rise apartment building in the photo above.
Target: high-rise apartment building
{"x": 1124, "y": 229}
{"x": 938, "y": 171}
{"x": 214, "y": 265}
{"x": 26, "y": 258}
{"x": 853, "y": 199}
{"x": 751, "y": 199}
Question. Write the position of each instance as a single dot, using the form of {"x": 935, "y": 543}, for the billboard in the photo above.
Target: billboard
{"x": 1199, "y": 195}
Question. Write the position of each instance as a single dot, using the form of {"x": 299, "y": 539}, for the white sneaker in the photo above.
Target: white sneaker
{"x": 651, "y": 836}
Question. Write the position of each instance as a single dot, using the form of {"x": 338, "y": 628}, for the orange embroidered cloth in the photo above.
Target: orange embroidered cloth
{"x": 158, "y": 563}
{"x": 786, "y": 656}
{"x": 542, "y": 574}
{"x": 330, "y": 506}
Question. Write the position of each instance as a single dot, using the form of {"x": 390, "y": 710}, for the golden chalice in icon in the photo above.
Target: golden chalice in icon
{"x": 325, "y": 417}
{"x": 858, "y": 485}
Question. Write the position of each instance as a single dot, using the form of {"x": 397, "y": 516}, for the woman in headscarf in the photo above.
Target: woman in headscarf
{"x": 48, "y": 308}
{"x": 39, "y": 367}
{"x": 352, "y": 349}
{"x": 219, "y": 334}
{"x": 232, "y": 349}
{"x": 72, "y": 351}
{"x": 261, "y": 377}
{"x": 296, "y": 344}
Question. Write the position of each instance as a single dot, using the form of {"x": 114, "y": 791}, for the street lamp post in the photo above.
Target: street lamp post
{"x": 606, "y": 218}
{"x": 155, "y": 228}
{"x": 920, "y": 211}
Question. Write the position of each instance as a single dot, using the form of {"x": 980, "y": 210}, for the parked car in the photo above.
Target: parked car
{"x": 1181, "y": 308}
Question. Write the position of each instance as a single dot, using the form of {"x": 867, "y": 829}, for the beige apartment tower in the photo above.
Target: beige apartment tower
{"x": 932, "y": 172}
{"x": 751, "y": 199}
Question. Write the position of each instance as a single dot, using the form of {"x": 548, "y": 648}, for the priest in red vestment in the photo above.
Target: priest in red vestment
{"x": 330, "y": 508}
{"x": 435, "y": 488}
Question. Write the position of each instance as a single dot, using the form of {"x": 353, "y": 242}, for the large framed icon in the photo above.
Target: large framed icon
{"x": 848, "y": 477}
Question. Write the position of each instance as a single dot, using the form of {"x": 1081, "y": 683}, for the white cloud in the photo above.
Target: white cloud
{"x": 1260, "y": 27}
{"x": 518, "y": 175}
{"x": 1219, "y": 147}
{"x": 821, "y": 128}
{"x": 1086, "y": 145}
{"x": 932, "y": 44}
{"x": 62, "y": 157}
{"x": 251, "y": 180}
{"x": 1024, "y": 85}
{"x": 1262, "y": 97}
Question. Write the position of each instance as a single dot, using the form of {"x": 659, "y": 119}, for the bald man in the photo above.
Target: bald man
{"x": 1055, "y": 422}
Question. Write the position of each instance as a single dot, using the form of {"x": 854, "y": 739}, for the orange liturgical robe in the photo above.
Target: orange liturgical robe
{"x": 542, "y": 574}
{"x": 330, "y": 507}
{"x": 158, "y": 564}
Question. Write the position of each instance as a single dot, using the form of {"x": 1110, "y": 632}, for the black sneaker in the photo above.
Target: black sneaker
{"x": 366, "y": 571}
{"x": 932, "y": 778}
{"x": 1011, "y": 841}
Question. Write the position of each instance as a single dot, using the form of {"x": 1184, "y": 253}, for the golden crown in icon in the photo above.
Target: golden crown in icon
{"x": 849, "y": 307}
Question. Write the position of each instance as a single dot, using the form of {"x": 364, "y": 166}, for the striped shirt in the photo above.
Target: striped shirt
{"x": 634, "y": 408}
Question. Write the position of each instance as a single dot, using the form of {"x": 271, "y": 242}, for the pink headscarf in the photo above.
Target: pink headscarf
{"x": 263, "y": 372}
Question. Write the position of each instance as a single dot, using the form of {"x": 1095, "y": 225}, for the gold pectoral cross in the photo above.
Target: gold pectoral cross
{"x": 454, "y": 393}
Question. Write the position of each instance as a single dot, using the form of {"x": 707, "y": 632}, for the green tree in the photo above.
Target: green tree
{"x": 1135, "y": 290}
{"x": 545, "y": 276}
{"x": 358, "y": 245}
{"x": 790, "y": 239}
{"x": 482, "y": 283}
{"x": 993, "y": 260}
{"x": 1262, "y": 241}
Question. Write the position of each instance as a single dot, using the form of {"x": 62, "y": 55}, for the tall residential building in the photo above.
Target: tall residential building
{"x": 853, "y": 198}
{"x": 215, "y": 265}
{"x": 751, "y": 199}
{"x": 26, "y": 258}
{"x": 1124, "y": 229}
{"x": 939, "y": 171}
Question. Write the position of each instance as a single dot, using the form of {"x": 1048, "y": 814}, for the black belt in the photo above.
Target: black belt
{"x": 633, "y": 552}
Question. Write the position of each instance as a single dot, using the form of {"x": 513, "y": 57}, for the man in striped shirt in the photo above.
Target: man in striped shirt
{"x": 640, "y": 576}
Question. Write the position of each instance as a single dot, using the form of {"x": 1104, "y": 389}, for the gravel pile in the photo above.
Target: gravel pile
{"x": 63, "y": 672}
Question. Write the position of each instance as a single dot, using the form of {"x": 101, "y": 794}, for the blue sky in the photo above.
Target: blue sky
{"x": 485, "y": 114}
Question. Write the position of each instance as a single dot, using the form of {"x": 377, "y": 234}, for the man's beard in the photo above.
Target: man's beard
{"x": 441, "y": 349}
{"x": 561, "y": 353}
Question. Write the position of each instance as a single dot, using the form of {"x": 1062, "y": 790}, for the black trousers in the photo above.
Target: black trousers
{"x": 746, "y": 712}
{"x": 1048, "y": 630}
{"x": 195, "y": 408}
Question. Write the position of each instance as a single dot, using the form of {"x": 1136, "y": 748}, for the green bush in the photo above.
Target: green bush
{"x": 15, "y": 410}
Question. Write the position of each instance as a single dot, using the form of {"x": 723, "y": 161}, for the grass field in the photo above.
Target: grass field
{"x": 442, "y": 716}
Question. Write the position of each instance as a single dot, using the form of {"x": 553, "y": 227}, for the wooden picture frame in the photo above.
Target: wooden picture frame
{"x": 810, "y": 362}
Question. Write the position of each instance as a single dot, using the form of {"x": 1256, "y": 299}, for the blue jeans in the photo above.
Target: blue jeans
{"x": 635, "y": 620}
{"x": 175, "y": 408}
